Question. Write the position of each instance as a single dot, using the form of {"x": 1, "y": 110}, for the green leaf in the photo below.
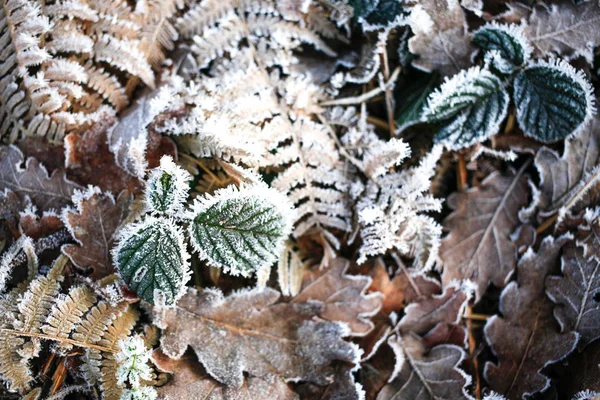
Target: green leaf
{"x": 462, "y": 91}
{"x": 378, "y": 14}
{"x": 167, "y": 188}
{"x": 412, "y": 99}
{"x": 553, "y": 100}
{"x": 240, "y": 231}
{"x": 152, "y": 260}
{"x": 505, "y": 46}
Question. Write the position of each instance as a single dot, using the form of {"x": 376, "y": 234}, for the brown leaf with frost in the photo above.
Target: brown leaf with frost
{"x": 36, "y": 226}
{"x": 565, "y": 180}
{"x": 343, "y": 386}
{"x": 45, "y": 191}
{"x": 189, "y": 381}
{"x": 478, "y": 247}
{"x": 249, "y": 331}
{"x": 566, "y": 29}
{"x": 441, "y": 39}
{"x": 527, "y": 338}
{"x": 342, "y": 295}
{"x": 94, "y": 226}
{"x": 426, "y": 375}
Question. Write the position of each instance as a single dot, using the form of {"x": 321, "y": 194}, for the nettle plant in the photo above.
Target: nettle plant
{"x": 552, "y": 100}
{"x": 238, "y": 229}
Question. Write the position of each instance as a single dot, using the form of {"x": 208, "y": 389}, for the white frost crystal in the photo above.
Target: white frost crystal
{"x": 133, "y": 361}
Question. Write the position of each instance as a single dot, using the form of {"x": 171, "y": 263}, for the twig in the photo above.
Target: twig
{"x": 546, "y": 224}
{"x": 472, "y": 348}
{"x": 53, "y": 241}
{"x": 478, "y": 317}
{"x": 378, "y": 122}
{"x": 401, "y": 265}
{"x": 388, "y": 93}
{"x": 462, "y": 172}
{"x": 201, "y": 165}
{"x": 347, "y": 101}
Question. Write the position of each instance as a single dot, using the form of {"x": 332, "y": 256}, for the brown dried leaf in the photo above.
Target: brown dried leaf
{"x": 248, "y": 332}
{"x": 447, "y": 308}
{"x": 191, "y": 382}
{"x": 46, "y": 192}
{"x": 441, "y": 38}
{"x": 402, "y": 289}
{"x": 581, "y": 373}
{"x": 342, "y": 296}
{"x": 343, "y": 387}
{"x": 36, "y": 226}
{"x": 478, "y": 246}
{"x": 426, "y": 375}
{"x": 564, "y": 180}
{"x": 94, "y": 225}
{"x": 527, "y": 338}
{"x": 565, "y": 29}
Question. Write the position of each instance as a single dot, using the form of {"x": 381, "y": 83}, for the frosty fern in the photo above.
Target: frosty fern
{"x": 239, "y": 230}
{"x": 552, "y": 99}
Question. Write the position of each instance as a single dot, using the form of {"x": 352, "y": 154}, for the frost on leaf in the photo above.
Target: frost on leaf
{"x": 526, "y": 338}
{"x": 568, "y": 29}
{"x": 248, "y": 332}
{"x": 93, "y": 224}
{"x": 167, "y": 188}
{"x": 505, "y": 46}
{"x": 478, "y": 247}
{"x": 553, "y": 100}
{"x": 342, "y": 295}
{"x": 152, "y": 260}
{"x": 45, "y": 191}
{"x": 240, "y": 230}
{"x": 471, "y": 104}
{"x": 422, "y": 374}
{"x": 567, "y": 179}
{"x": 133, "y": 359}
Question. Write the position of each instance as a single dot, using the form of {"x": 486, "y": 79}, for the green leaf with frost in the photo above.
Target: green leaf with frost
{"x": 167, "y": 188}
{"x": 505, "y": 46}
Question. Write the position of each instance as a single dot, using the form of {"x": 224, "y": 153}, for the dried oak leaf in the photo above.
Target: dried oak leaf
{"x": 565, "y": 180}
{"x": 581, "y": 373}
{"x": 526, "y": 338}
{"x": 189, "y": 381}
{"x": 566, "y": 29}
{"x": 576, "y": 293}
{"x": 45, "y": 192}
{"x": 478, "y": 247}
{"x": 36, "y": 227}
{"x": 50, "y": 154}
{"x": 248, "y": 332}
{"x": 425, "y": 375}
{"x": 94, "y": 225}
{"x": 343, "y": 387}
{"x": 441, "y": 39}
{"x": 342, "y": 296}
{"x": 404, "y": 288}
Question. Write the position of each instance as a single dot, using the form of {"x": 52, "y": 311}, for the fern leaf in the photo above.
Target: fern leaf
{"x": 14, "y": 371}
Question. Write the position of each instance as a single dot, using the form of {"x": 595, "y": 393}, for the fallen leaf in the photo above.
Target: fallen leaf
{"x": 582, "y": 372}
{"x": 36, "y": 226}
{"x": 342, "y": 296}
{"x": 422, "y": 374}
{"x": 343, "y": 386}
{"x": 526, "y": 338}
{"x": 445, "y": 333}
{"x": 50, "y": 154}
{"x": 248, "y": 332}
{"x": 94, "y": 226}
{"x": 478, "y": 246}
{"x": 45, "y": 192}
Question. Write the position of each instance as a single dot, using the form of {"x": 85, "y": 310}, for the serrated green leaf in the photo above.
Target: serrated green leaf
{"x": 476, "y": 124}
{"x": 167, "y": 188}
{"x": 462, "y": 91}
{"x": 553, "y": 100}
{"x": 377, "y": 14}
{"x": 240, "y": 231}
{"x": 152, "y": 258}
{"x": 505, "y": 46}
{"x": 414, "y": 97}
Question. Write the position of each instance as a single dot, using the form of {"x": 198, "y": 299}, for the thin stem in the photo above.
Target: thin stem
{"x": 347, "y": 101}
{"x": 57, "y": 339}
{"x": 388, "y": 93}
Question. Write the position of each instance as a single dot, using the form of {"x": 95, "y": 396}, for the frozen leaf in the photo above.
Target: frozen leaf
{"x": 36, "y": 226}
{"x": 447, "y": 308}
{"x": 576, "y": 293}
{"x": 526, "y": 338}
{"x": 505, "y": 46}
{"x": 152, "y": 260}
{"x": 342, "y": 295}
{"x": 378, "y": 14}
{"x": 240, "y": 230}
{"x": 427, "y": 375}
{"x": 133, "y": 359}
{"x": 167, "y": 188}
{"x": 343, "y": 386}
{"x": 565, "y": 179}
{"x": 414, "y": 97}
{"x": 94, "y": 224}
{"x": 553, "y": 100}
{"x": 248, "y": 332}
{"x": 565, "y": 28}
{"x": 582, "y": 372}
{"x": 441, "y": 40}
{"x": 478, "y": 246}
{"x": 46, "y": 192}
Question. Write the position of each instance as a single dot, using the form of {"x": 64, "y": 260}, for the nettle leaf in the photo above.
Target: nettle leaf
{"x": 378, "y": 14}
{"x": 553, "y": 100}
{"x": 505, "y": 45}
{"x": 240, "y": 231}
{"x": 473, "y": 102}
{"x": 167, "y": 188}
{"x": 153, "y": 261}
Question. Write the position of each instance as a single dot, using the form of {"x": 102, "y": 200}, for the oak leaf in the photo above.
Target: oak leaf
{"x": 36, "y": 226}
{"x": 526, "y": 338}
{"x": 248, "y": 332}
{"x": 478, "y": 246}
